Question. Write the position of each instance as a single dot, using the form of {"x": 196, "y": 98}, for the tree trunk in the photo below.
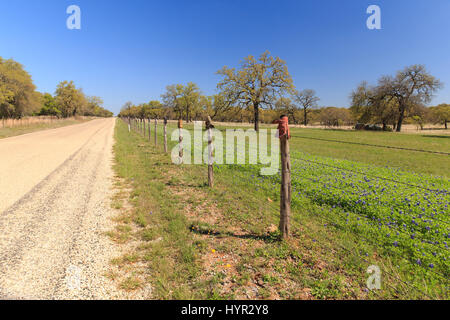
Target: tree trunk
{"x": 400, "y": 119}
{"x": 305, "y": 120}
{"x": 187, "y": 114}
{"x": 256, "y": 109}
{"x": 445, "y": 124}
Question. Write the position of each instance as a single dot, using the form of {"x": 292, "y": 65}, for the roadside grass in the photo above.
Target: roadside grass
{"x": 223, "y": 243}
{"x": 24, "y": 129}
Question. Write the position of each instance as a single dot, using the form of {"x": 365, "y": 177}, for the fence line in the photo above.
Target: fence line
{"x": 373, "y": 242}
{"x": 374, "y": 145}
{"x": 26, "y": 121}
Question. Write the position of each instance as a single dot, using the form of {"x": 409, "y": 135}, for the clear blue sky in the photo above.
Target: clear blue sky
{"x": 130, "y": 50}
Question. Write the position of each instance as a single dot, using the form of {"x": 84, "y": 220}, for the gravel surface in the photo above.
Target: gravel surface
{"x": 55, "y": 190}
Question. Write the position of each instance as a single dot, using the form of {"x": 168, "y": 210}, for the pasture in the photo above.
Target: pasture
{"x": 359, "y": 199}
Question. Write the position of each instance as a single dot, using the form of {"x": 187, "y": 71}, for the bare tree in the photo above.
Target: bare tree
{"x": 286, "y": 106}
{"x": 307, "y": 100}
{"x": 410, "y": 87}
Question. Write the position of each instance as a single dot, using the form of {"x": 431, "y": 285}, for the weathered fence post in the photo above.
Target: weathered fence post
{"x": 165, "y": 134}
{"x": 149, "y": 129}
{"x": 285, "y": 195}
{"x": 144, "y": 131}
{"x": 129, "y": 125}
{"x": 180, "y": 140}
{"x": 209, "y": 127}
{"x": 156, "y": 132}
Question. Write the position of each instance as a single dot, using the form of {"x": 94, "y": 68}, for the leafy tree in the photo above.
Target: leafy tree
{"x": 172, "y": 98}
{"x": 153, "y": 109}
{"x": 49, "y": 106}
{"x": 441, "y": 114}
{"x": 17, "y": 91}
{"x": 93, "y": 106}
{"x": 218, "y": 106}
{"x": 190, "y": 96}
{"x": 70, "y": 100}
{"x": 363, "y": 99}
{"x": 257, "y": 83}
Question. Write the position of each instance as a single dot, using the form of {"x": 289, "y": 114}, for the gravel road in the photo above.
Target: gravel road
{"x": 55, "y": 189}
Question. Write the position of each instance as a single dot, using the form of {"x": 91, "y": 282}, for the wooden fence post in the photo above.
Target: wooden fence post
{"x": 165, "y": 134}
{"x": 156, "y": 134}
{"x": 144, "y": 131}
{"x": 129, "y": 125}
{"x": 209, "y": 127}
{"x": 285, "y": 194}
{"x": 149, "y": 129}
{"x": 180, "y": 140}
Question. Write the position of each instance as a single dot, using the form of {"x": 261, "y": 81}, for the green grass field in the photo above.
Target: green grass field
{"x": 353, "y": 206}
{"x": 19, "y": 130}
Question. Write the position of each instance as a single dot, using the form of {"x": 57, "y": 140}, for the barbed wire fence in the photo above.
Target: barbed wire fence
{"x": 139, "y": 126}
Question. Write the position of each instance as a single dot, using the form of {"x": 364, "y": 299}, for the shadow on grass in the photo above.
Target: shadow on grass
{"x": 268, "y": 238}
{"x": 435, "y": 136}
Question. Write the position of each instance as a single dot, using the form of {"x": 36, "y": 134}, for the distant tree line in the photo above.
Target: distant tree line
{"x": 261, "y": 89}
{"x": 19, "y": 98}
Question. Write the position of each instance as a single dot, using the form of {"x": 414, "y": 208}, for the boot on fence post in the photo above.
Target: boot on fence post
{"x": 285, "y": 193}
{"x": 156, "y": 134}
{"x": 180, "y": 140}
{"x": 209, "y": 127}
{"x": 165, "y": 134}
